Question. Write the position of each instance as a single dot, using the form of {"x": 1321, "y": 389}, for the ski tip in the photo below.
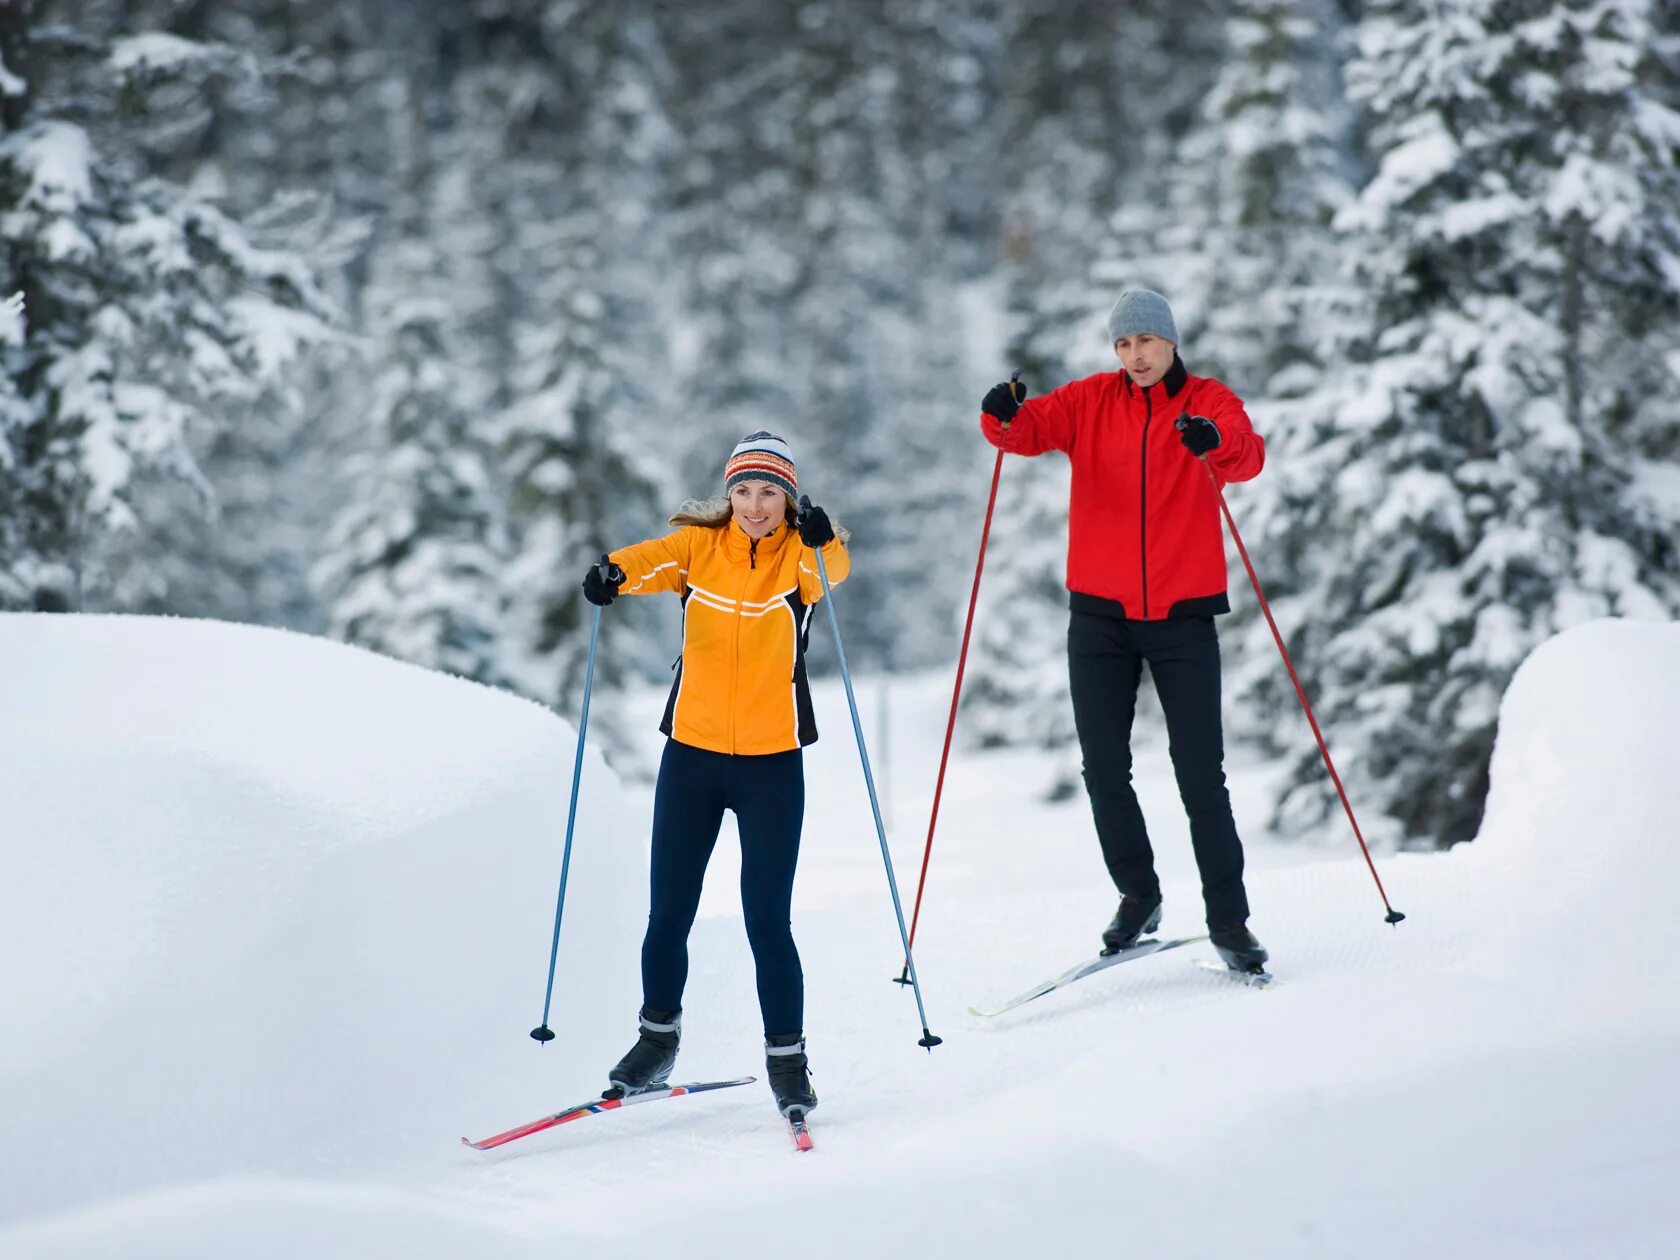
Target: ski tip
{"x": 975, "y": 1010}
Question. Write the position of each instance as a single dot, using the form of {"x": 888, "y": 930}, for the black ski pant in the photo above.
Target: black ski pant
{"x": 1106, "y": 656}
{"x": 767, "y": 794}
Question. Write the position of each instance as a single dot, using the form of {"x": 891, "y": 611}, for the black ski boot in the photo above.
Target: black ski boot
{"x": 1136, "y": 916}
{"x": 1238, "y": 947}
{"x": 790, "y": 1078}
{"x": 649, "y": 1063}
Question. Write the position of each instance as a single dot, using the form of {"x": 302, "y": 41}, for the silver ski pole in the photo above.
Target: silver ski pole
{"x": 928, "y": 1040}
{"x": 542, "y": 1032}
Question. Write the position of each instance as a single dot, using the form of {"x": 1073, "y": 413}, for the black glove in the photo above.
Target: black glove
{"x": 601, "y": 583}
{"x": 1003, "y": 400}
{"x": 815, "y": 529}
{"x": 1199, "y": 434}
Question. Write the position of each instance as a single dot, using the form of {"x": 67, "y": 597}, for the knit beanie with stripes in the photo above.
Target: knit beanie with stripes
{"x": 761, "y": 456}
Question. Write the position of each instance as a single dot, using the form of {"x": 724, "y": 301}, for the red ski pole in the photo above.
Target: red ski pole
{"x": 1393, "y": 915}
{"x": 956, "y": 696}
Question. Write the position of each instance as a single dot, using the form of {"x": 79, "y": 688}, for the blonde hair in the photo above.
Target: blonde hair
{"x": 715, "y": 513}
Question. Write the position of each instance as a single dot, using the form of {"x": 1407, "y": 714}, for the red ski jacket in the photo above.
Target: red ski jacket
{"x": 1144, "y": 538}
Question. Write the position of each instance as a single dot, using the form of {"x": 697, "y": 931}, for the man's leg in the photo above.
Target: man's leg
{"x": 1103, "y": 672}
{"x": 1183, "y": 658}
{"x": 687, "y": 812}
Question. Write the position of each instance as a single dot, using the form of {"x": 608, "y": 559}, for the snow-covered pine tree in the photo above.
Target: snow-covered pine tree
{"x": 1456, "y": 494}
{"x": 884, "y": 422}
{"x": 587, "y": 438}
{"x": 149, "y": 311}
{"x": 1016, "y": 689}
{"x": 1266, "y": 167}
{"x": 1089, "y": 81}
{"x": 417, "y": 558}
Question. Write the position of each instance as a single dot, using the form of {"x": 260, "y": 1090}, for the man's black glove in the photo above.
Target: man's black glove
{"x": 1199, "y": 434}
{"x": 815, "y": 529}
{"x": 601, "y": 583}
{"x": 1003, "y": 400}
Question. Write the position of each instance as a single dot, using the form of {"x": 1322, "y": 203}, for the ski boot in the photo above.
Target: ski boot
{"x": 648, "y": 1064}
{"x": 790, "y": 1079}
{"x": 1135, "y": 917}
{"x": 1239, "y": 948}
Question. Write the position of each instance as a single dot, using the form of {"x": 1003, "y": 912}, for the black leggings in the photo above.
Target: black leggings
{"x": 1106, "y": 657}
{"x": 767, "y": 794}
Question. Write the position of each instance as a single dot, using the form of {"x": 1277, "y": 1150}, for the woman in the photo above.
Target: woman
{"x": 738, "y": 716}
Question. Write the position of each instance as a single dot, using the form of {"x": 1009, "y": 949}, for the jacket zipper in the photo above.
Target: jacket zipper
{"x": 735, "y": 663}
{"x": 1143, "y": 501}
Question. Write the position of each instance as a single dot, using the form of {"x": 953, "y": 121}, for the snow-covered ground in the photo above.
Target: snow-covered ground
{"x": 275, "y": 917}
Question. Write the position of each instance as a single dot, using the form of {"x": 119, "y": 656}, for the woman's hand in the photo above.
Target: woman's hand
{"x": 601, "y": 583}
{"x": 815, "y": 529}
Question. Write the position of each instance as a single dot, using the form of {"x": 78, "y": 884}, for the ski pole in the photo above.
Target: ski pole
{"x": 956, "y": 696}
{"x": 542, "y": 1032}
{"x": 1393, "y": 915}
{"x": 928, "y": 1040}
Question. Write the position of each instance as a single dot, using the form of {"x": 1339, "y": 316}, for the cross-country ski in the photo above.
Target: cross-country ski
{"x": 1089, "y": 967}
{"x": 597, "y": 1106}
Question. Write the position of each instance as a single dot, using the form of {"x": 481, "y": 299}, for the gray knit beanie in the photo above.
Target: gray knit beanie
{"x": 1141, "y": 311}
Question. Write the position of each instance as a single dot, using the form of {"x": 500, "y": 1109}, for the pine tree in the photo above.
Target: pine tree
{"x": 584, "y": 429}
{"x": 417, "y": 560}
{"x": 1096, "y": 96}
{"x": 1458, "y": 496}
{"x": 149, "y": 311}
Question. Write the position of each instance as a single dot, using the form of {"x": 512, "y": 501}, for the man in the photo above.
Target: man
{"x": 1146, "y": 576}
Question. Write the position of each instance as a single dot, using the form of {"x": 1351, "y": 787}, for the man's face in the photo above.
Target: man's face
{"x": 1145, "y": 357}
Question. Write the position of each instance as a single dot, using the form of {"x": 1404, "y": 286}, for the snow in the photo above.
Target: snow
{"x": 11, "y": 320}
{"x": 278, "y": 911}
{"x": 158, "y": 51}
{"x": 11, "y": 84}
{"x": 56, "y": 158}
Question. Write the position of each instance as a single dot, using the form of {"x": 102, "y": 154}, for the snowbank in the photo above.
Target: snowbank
{"x": 272, "y": 906}
{"x": 293, "y": 996}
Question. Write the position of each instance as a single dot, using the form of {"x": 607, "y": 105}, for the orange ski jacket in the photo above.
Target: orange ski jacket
{"x": 747, "y": 606}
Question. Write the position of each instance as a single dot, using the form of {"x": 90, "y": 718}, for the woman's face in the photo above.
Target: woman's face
{"x": 760, "y": 508}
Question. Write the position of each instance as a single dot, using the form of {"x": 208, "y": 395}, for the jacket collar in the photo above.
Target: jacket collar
{"x": 739, "y": 545}
{"x": 1168, "y": 387}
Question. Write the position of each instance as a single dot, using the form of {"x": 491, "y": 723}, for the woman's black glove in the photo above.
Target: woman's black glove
{"x": 1199, "y": 434}
{"x": 815, "y": 529}
{"x": 601, "y": 583}
{"x": 1003, "y": 400}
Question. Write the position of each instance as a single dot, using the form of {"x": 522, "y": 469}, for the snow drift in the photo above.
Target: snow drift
{"x": 275, "y": 915}
{"x": 270, "y": 905}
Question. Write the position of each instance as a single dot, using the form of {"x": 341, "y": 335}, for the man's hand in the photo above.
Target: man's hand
{"x": 1199, "y": 434}
{"x": 1004, "y": 399}
{"x": 601, "y": 583}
